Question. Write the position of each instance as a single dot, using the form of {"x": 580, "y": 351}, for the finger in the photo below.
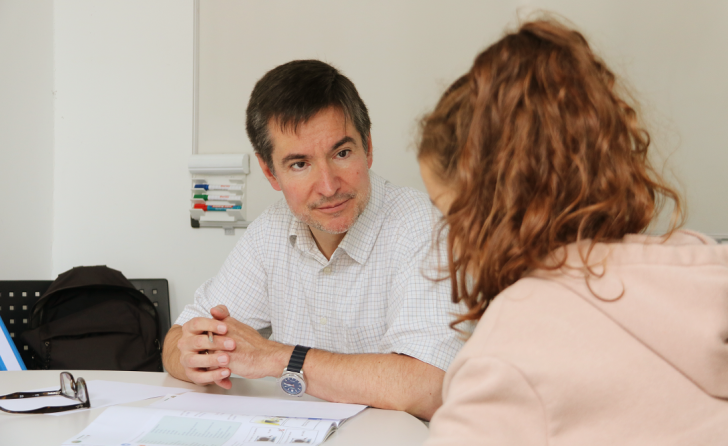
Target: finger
{"x": 221, "y": 344}
{"x": 225, "y": 344}
{"x": 205, "y": 361}
{"x": 220, "y": 312}
{"x": 225, "y": 383}
{"x": 221, "y": 359}
{"x": 200, "y": 325}
{"x": 202, "y": 343}
{"x": 196, "y": 344}
{"x": 198, "y": 376}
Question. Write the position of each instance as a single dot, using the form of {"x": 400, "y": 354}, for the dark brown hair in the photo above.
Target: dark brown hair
{"x": 542, "y": 152}
{"x": 293, "y": 93}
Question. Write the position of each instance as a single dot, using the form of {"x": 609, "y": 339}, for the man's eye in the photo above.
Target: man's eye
{"x": 343, "y": 153}
{"x": 298, "y": 165}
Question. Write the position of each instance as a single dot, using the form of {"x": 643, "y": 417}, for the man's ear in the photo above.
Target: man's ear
{"x": 370, "y": 152}
{"x": 268, "y": 173}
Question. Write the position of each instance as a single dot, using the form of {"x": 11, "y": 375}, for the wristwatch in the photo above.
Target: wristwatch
{"x": 292, "y": 381}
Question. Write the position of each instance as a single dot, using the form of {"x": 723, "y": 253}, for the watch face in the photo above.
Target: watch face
{"x": 292, "y": 385}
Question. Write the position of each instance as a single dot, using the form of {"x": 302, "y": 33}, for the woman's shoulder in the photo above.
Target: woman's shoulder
{"x": 519, "y": 318}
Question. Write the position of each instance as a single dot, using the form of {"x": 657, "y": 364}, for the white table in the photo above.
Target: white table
{"x": 371, "y": 427}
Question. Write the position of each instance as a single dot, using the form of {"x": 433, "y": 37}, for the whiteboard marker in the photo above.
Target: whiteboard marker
{"x": 216, "y": 207}
{"x": 219, "y": 186}
{"x": 219, "y": 197}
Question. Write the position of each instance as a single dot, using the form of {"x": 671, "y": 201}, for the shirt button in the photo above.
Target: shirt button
{"x": 323, "y": 321}
{"x": 327, "y": 270}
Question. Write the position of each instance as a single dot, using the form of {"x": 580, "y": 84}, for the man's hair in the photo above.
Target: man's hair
{"x": 293, "y": 93}
{"x": 542, "y": 152}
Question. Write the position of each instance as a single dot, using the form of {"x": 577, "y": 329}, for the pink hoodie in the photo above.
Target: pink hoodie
{"x": 637, "y": 356}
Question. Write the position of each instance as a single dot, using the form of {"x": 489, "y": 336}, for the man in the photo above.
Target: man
{"x": 335, "y": 269}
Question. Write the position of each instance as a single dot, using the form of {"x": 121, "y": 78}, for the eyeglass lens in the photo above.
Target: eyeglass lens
{"x": 74, "y": 389}
{"x": 81, "y": 391}
{"x": 67, "y": 385}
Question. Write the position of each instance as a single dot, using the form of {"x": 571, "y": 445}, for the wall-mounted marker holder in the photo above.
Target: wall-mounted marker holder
{"x": 218, "y": 193}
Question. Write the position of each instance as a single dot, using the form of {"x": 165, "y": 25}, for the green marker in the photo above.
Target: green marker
{"x": 219, "y": 197}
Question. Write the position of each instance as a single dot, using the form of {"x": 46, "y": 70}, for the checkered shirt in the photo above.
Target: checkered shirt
{"x": 375, "y": 294}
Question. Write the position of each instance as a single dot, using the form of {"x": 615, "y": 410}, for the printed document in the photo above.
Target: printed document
{"x": 137, "y": 426}
{"x": 248, "y": 405}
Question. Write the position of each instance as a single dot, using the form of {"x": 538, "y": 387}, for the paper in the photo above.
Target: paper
{"x": 101, "y": 394}
{"x": 134, "y": 426}
{"x": 9, "y": 357}
{"x": 247, "y": 405}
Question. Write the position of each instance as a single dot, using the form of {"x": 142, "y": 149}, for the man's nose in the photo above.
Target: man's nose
{"x": 328, "y": 181}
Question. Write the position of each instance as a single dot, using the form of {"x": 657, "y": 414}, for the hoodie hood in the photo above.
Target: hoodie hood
{"x": 670, "y": 294}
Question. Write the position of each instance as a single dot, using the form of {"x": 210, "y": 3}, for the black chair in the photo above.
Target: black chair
{"x": 17, "y": 298}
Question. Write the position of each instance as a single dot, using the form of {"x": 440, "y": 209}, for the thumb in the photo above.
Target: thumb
{"x": 220, "y": 312}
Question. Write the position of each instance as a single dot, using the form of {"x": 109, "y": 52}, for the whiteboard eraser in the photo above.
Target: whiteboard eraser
{"x": 224, "y": 164}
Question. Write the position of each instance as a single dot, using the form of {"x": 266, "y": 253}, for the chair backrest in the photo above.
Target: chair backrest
{"x": 157, "y": 290}
{"x": 17, "y": 298}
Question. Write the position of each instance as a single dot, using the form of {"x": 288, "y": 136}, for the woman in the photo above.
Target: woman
{"x": 589, "y": 332}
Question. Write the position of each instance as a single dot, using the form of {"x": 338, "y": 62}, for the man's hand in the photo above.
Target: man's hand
{"x": 205, "y": 362}
{"x": 253, "y": 356}
{"x": 388, "y": 380}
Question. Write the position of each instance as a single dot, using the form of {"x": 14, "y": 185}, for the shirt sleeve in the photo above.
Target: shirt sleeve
{"x": 488, "y": 402}
{"x": 241, "y": 285}
{"x": 420, "y": 307}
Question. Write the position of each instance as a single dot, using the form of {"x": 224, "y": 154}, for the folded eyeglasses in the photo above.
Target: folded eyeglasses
{"x": 74, "y": 389}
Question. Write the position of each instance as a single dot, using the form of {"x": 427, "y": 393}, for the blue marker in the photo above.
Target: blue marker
{"x": 222, "y": 208}
{"x": 219, "y": 186}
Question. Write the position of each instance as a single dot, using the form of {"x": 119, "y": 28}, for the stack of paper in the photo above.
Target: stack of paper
{"x": 247, "y": 405}
{"x": 217, "y": 420}
{"x": 144, "y": 426}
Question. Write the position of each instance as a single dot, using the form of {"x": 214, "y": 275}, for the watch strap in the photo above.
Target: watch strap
{"x": 297, "y": 357}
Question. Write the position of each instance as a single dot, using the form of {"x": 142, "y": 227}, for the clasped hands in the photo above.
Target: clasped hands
{"x": 235, "y": 348}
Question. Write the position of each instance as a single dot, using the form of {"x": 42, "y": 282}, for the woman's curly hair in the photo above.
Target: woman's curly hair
{"x": 541, "y": 152}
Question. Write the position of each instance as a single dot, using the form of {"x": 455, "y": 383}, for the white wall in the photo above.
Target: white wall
{"x": 402, "y": 53}
{"x": 123, "y": 139}
{"x": 26, "y": 138}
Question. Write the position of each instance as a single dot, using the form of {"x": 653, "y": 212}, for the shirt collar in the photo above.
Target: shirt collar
{"x": 359, "y": 240}
{"x": 299, "y": 234}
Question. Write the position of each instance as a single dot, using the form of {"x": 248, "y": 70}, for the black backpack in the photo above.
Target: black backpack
{"x": 92, "y": 318}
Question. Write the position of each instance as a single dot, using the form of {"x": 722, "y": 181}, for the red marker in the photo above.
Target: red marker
{"x": 216, "y": 207}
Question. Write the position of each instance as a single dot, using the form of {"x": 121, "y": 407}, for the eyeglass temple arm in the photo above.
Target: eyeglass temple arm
{"x": 46, "y": 409}
{"x": 17, "y": 395}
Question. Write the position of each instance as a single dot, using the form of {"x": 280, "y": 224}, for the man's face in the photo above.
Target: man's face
{"x": 323, "y": 171}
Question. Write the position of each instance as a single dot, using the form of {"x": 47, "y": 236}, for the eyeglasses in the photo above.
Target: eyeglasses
{"x": 74, "y": 389}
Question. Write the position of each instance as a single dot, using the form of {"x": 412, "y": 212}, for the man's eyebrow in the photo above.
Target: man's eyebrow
{"x": 293, "y": 156}
{"x": 341, "y": 142}
{"x": 297, "y": 156}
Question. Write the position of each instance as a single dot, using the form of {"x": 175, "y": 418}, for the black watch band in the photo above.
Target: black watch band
{"x": 297, "y": 357}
